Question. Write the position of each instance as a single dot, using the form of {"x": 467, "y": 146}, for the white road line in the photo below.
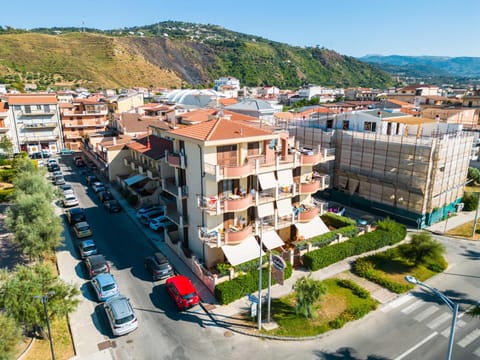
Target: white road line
{"x": 426, "y": 313}
{"x": 396, "y": 303}
{"x": 413, "y": 348}
{"x": 436, "y": 322}
{"x": 413, "y": 306}
{"x": 467, "y": 340}
{"x": 477, "y": 352}
{"x": 460, "y": 324}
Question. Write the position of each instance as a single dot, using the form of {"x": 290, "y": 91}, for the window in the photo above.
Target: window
{"x": 28, "y": 109}
{"x": 369, "y": 126}
{"x": 227, "y": 155}
{"x": 253, "y": 149}
{"x": 47, "y": 108}
{"x": 345, "y": 124}
{"x": 329, "y": 124}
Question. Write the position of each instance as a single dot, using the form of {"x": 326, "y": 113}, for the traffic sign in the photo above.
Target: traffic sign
{"x": 253, "y": 298}
{"x": 278, "y": 262}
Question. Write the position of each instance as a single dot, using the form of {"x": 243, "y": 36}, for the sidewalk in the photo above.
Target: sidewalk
{"x": 456, "y": 220}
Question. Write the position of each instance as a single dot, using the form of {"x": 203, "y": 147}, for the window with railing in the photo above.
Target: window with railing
{"x": 227, "y": 155}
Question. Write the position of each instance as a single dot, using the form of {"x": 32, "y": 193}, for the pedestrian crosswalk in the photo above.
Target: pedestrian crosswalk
{"x": 437, "y": 318}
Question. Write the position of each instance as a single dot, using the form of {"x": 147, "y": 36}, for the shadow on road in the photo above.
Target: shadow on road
{"x": 458, "y": 297}
{"x": 345, "y": 353}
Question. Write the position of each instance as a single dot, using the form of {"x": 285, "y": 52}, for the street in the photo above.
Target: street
{"x": 414, "y": 326}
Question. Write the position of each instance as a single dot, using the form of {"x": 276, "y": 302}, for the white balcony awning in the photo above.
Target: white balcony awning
{"x": 267, "y": 181}
{"x": 285, "y": 177}
{"x": 265, "y": 210}
{"x": 243, "y": 252}
{"x": 313, "y": 228}
{"x": 284, "y": 207}
{"x": 271, "y": 240}
{"x": 134, "y": 179}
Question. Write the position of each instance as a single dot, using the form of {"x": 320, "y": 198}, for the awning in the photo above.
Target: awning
{"x": 246, "y": 251}
{"x": 271, "y": 240}
{"x": 134, "y": 179}
{"x": 267, "y": 181}
{"x": 265, "y": 210}
{"x": 284, "y": 207}
{"x": 285, "y": 177}
{"x": 313, "y": 228}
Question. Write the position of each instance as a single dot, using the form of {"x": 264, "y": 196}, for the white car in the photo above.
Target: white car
{"x": 69, "y": 200}
{"x": 147, "y": 209}
{"x": 66, "y": 189}
{"x": 98, "y": 186}
{"x": 160, "y": 222}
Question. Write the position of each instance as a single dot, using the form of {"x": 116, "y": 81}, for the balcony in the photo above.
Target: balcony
{"x": 209, "y": 204}
{"x": 175, "y": 159}
{"x": 230, "y": 172}
{"x": 3, "y": 114}
{"x": 236, "y": 236}
{"x": 237, "y": 202}
{"x": 309, "y": 188}
{"x": 308, "y": 213}
{"x": 3, "y": 127}
{"x": 169, "y": 185}
{"x": 40, "y": 125}
{"x": 49, "y": 112}
{"x": 153, "y": 175}
{"x": 98, "y": 123}
{"x": 98, "y": 112}
{"x": 177, "y": 218}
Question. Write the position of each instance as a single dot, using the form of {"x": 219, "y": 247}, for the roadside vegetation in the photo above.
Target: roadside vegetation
{"x": 31, "y": 219}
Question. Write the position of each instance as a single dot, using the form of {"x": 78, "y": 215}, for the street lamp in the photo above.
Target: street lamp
{"x": 259, "y": 310}
{"x": 451, "y": 305}
{"x": 44, "y": 299}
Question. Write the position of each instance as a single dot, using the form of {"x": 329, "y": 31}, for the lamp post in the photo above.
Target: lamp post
{"x": 259, "y": 312}
{"x": 44, "y": 299}
{"x": 451, "y": 305}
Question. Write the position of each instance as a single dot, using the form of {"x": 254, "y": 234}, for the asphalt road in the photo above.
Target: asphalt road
{"x": 415, "y": 326}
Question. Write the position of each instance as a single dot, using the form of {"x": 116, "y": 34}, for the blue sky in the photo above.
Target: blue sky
{"x": 350, "y": 27}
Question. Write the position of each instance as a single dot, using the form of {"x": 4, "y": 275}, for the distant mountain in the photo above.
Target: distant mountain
{"x": 171, "y": 54}
{"x": 436, "y": 66}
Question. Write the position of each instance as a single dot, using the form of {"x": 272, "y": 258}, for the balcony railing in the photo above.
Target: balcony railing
{"x": 309, "y": 188}
{"x": 40, "y": 125}
{"x": 171, "y": 187}
{"x": 236, "y": 236}
{"x": 98, "y": 112}
{"x": 175, "y": 159}
{"x": 85, "y": 123}
{"x": 237, "y": 202}
{"x": 38, "y": 113}
{"x": 307, "y": 213}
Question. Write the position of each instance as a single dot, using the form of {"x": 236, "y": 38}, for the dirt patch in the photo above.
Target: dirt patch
{"x": 331, "y": 307}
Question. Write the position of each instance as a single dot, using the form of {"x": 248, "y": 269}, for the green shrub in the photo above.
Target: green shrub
{"x": 336, "y": 221}
{"x": 356, "y": 289}
{"x": 5, "y": 194}
{"x": 7, "y": 175}
{"x": 223, "y": 268}
{"x": 328, "y": 255}
{"x": 337, "y": 323}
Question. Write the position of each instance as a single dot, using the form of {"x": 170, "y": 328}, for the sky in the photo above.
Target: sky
{"x": 350, "y": 27}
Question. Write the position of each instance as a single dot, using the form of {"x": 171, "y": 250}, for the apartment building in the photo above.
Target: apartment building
{"x": 6, "y": 128}
{"x": 35, "y": 120}
{"x": 82, "y": 118}
{"x": 233, "y": 181}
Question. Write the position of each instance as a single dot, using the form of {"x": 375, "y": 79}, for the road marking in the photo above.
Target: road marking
{"x": 426, "y": 313}
{"x": 477, "y": 352}
{"x": 460, "y": 324}
{"x": 396, "y": 303}
{"x": 467, "y": 340}
{"x": 413, "y": 348}
{"x": 436, "y": 322}
{"x": 413, "y": 307}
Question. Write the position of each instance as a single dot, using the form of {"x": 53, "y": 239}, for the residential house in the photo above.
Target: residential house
{"x": 36, "y": 122}
{"x": 227, "y": 80}
{"x": 82, "y": 118}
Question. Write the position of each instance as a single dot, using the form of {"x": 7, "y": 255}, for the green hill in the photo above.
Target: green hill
{"x": 171, "y": 54}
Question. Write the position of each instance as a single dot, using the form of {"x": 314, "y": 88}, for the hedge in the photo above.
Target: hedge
{"x": 336, "y": 221}
{"x": 388, "y": 233}
{"x": 327, "y": 238}
{"x": 234, "y": 289}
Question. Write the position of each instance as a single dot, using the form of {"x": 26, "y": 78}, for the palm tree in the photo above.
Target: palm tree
{"x": 421, "y": 248}
{"x": 308, "y": 291}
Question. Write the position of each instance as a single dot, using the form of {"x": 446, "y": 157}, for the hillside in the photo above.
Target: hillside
{"x": 434, "y": 66}
{"x": 171, "y": 54}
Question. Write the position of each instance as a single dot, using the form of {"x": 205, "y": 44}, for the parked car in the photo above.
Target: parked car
{"x": 96, "y": 264}
{"x": 53, "y": 166}
{"x": 160, "y": 222}
{"x": 182, "y": 291}
{"x": 87, "y": 248}
{"x": 69, "y": 200}
{"x": 55, "y": 174}
{"x": 92, "y": 179}
{"x": 67, "y": 151}
{"x": 120, "y": 315}
{"x": 104, "y": 286}
{"x": 97, "y": 186}
{"x": 146, "y": 209}
{"x": 105, "y": 195}
{"x": 66, "y": 189}
{"x": 158, "y": 266}
{"x": 82, "y": 229}
{"x": 75, "y": 215}
{"x": 113, "y": 206}
{"x": 147, "y": 217}
{"x": 79, "y": 162}
{"x": 59, "y": 180}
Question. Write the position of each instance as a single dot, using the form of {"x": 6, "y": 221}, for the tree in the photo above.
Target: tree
{"x": 6, "y": 145}
{"x": 34, "y": 224}
{"x": 470, "y": 201}
{"x": 307, "y": 292}
{"x": 474, "y": 174}
{"x": 10, "y": 336}
{"x": 421, "y": 248}
{"x": 16, "y": 295}
{"x": 32, "y": 183}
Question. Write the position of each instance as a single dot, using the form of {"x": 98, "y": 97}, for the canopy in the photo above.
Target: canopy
{"x": 265, "y": 210}
{"x": 285, "y": 177}
{"x": 284, "y": 207}
{"x": 267, "y": 181}
{"x": 243, "y": 252}
{"x": 271, "y": 240}
{"x": 313, "y": 228}
{"x": 134, "y": 179}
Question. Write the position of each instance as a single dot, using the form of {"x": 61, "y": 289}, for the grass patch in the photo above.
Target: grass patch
{"x": 465, "y": 230}
{"x": 334, "y": 304}
{"x": 62, "y": 343}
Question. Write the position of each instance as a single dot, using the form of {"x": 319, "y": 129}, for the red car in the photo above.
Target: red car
{"x": 182, "y": 291}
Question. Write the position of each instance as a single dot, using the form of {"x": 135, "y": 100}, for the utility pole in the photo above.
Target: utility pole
{"x": 44, "y": 299}
{"x": 476, "y": 216}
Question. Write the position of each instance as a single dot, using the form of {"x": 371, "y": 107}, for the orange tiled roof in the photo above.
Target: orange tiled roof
{"x": 202, "y": 115}
{"x": 228, "y": 101}
{"x": 152, "y": 146}
{"x": 21, "y": 99}
{"x": 136, "y": 122}
{"x": 400, "y": 103}
{"x": 220, "y": 129}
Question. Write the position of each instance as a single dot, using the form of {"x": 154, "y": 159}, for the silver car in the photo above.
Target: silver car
{"x": 120, "y": 315}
